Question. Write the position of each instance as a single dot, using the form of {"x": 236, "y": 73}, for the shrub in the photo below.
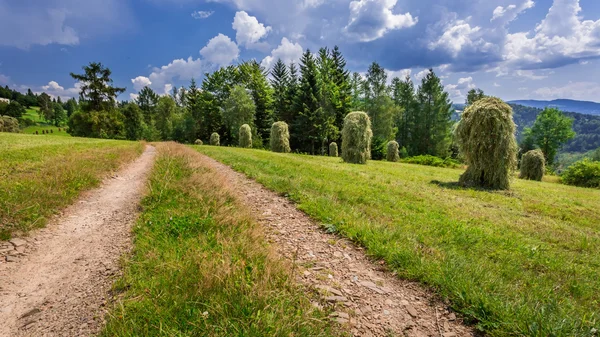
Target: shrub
{"x": 430, "y": 160}
{"x": 97, "y": 124}
{"x": 378, "y": 148}
{"x": 245, "y": 136}
{"x": 280, "y": 137}
{"x": 584, "y": 173}
{"x": 333, "y": 149}
{"x": 215, "y": 139}
{"x": 199, "y": 142}
{"x": 533, "y": 165}
{"x": 356, "y": 138}
{"x": 403, "y": 152}
{"x": 486, "y": 138}
{"x": 392, "y": 151}
{"x": 9, "y": 124}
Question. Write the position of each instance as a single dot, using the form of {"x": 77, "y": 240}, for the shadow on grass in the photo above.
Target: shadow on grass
{"x": 455, "y": 185}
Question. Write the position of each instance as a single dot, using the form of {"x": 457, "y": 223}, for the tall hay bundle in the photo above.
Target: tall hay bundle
{"x": 280, "y": 137}
{"x": 486, "y": 138}
{"x": 9, "y": 124}
{"x": 215, "y": 139}
{"x": 333, "y": 149}
{"x": 533, "y": 165}
{"x": 393, "y": 153}
{"x": 245, "y": 136}
{"x": 356, "y": 138}
{"x": 198, "y": 142}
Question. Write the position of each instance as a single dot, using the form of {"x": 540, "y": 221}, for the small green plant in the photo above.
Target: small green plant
{"x": 215, "y": 140}
{"x": 356, "y": 138}
{"x": 486, "y": 138}
{"x": 245, "y": 136}
{"x": 429, "y": 160}
{"x": 333, "y": 149}
{"x": 533, "y": 165}
{"x": 280, "y": 137}
{"x": 584, "y": 173}
{"x": 403, "y": 152}
{"x": 392, "y": 151}
{"x": 198, "y": 142}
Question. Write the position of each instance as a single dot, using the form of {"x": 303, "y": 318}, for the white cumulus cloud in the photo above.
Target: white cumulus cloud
{"x": 286, "y": 51}
{"x": 220, "y": 50}
{"x": 140, "y": 82}
{"x": 199, "y": 15}
{"x": 372, "y": 19}
{"x": 248, "y": 30}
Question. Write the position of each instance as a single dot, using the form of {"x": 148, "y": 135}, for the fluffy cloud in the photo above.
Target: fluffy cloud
{"x": 372, "y": 19}
{"x": 63, "y": 22}
{"x": 561, "y": 38}
{"x": 401, "y": 74}
{"x": 199, "y": 15}
{"x": 287, "y": 51}
{"x": 459, "y": 90}
{"x": 572, "y": 90}
{"x": 248, "y": 30}
{"x": 459, "y": 35}
{"x": 220, "y": 50}
{"x": 140, "y": 82}
{"x": 510, "y": 12}
{"x": 421, "y": 74}
{"x": 55, "y": 90}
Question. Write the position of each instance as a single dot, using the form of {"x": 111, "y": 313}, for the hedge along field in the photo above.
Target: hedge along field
{"x": 523, "y": 262}
{"x": 41, "y": 175}
{"x": 201, "y": 265}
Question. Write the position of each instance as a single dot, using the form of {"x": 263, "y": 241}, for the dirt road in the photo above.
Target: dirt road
{"x": 57, "y": 281}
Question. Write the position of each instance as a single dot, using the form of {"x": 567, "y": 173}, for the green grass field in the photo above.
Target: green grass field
{"x": 201, "y": 267}
{"x": 40, "y": 175}
{"x": 519, "y": 263}
{"x": 33, "y": 114}
{"x": 30, "y": 130}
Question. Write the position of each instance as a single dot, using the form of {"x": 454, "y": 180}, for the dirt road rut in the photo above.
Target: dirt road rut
{"x": 60, "y": 285}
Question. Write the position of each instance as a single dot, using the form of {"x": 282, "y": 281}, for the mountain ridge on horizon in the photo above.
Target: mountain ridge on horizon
{"x": 567, "y": 105}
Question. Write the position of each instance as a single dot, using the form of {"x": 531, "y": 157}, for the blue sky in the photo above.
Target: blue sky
{"x": 514, "y": 49}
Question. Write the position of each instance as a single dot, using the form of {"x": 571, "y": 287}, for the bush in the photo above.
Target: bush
{"x": 392, "y": 151}
{"x": 403, "y": 152}
{"x": 533, "y": 165}
{"x": 9, "y": 124}
{"x": 584, "y": 173}
{"x": 486, "y": 138}
{"x": 356, "y": 138}
{"x": 245, "y": 136}
{"x": 280, "y": 137}
{"x": 215, "y": 139}
{"x": 97, "y": 124}
{"x": 333, "y": 149}
{"x": 430, "y": 160}
{"x": 199, "y": 142}
{"x": 378, "y": 148}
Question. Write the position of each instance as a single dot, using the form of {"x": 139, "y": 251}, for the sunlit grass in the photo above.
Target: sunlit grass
{"x": 519, "y": 263}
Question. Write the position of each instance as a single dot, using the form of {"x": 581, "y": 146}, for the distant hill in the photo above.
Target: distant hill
{"x": 584, "y": 107}
{"x": 586, "y": 126}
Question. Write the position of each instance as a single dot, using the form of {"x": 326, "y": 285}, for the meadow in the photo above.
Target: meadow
{"x": 201, "y": 265}
{"x": 523, "y": 262}
{"x": 40, "y": 175}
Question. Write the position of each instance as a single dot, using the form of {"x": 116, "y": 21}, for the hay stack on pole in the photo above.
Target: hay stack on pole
{"x": 533, "y": 165}
{"x": 280, "y": 137}
{"x": 393, "y": 153}
{"x": 245, "y": 136}
{"x": 486, "y": 137}
{"x": 215, "y": 140}
{"x": 356, "y": 138}
{"x": 198, "y": 142}
{"x": 333, "y": 149}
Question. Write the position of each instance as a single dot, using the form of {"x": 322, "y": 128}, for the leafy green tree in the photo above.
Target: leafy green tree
{"x": 356, "y": 88}
{"x": 45, "y": 104}
{"x": 474, "y": 95}
{"x": 550, "y": 131}
{"x": 238, "y": 109}
{"x": 403, "y": 94}
{"x": 71, "y": 107}
{"x": 14, "y": 109}
{"x": 147, "y": 100}
{"x": 165, "y": 111}
{"x": 280, "y": 81}
{"x": 255, "y": 77}
{"x": 133, "y": 122}
{"x": 97, "y": 89}
{"x": 379, "y": 105}
{"x": 59, "y": 115}
{"x": 432, "y": 134}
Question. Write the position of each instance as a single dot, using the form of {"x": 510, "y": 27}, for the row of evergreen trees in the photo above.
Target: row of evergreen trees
{"x": 313, "y": 98}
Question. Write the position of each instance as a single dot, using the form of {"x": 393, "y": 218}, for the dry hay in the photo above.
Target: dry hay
{"x": 356, "y": 138}
{"x": 280, "y": 137}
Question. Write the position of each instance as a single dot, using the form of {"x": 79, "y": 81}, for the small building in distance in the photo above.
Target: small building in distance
{"x": 5, "y": 100}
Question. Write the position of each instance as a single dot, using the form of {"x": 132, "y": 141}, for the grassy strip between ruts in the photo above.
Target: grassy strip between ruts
{"x": 41, "y": 175}
{"x": 518, "y": 263}
{"x": 201, "y": 266}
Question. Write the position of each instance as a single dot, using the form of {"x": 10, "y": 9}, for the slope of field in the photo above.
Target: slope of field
{"x": 40, "y": 175}
{"x": 201, "y": 266}
{"x": 524, "y": 262}
{"x": 52, "y": 130}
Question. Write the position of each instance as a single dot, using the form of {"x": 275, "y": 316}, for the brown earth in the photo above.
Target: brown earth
{"x": 367, "y": 299}
{"x": 56, "y": 281}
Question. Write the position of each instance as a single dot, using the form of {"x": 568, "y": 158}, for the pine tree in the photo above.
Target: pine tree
{"x": 97, "y": 87}
{"x": 280, "y": 82}
{"x": 147, "y": 100}
{"x": 403, "y": 94}
{"x": 341, "y": 79}
{"x": 255, "y": 77}
{"x": 432, "y": 132}
{"x": 379, "y": 105}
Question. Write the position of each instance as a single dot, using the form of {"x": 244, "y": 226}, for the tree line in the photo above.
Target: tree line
{"x": 312, "y": 97}
{"x": 53, "y": 110}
